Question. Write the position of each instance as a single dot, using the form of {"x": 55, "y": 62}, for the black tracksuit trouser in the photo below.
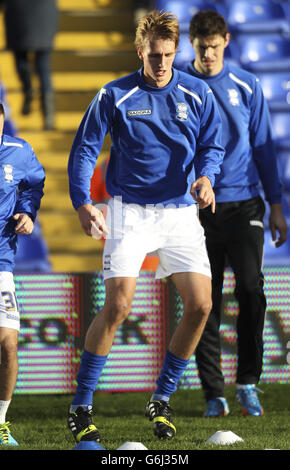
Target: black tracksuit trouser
{"x": 234, "y": 235}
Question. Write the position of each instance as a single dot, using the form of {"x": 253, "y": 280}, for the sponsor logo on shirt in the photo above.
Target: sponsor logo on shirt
{"x": 8, "y": 173}
{"x": 138, "y": 112}
{"x": 182, "y": 111}
{"x": 233, "y": 96}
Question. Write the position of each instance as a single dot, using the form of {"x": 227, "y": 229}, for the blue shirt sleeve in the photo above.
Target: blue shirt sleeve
{"x": 263, "y": 147}
{"x": 210, "y": 152}
{"x": 87, "y": 146}
{"x": 30, "y": 189}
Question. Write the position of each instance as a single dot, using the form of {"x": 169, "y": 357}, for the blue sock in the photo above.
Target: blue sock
{"x": 90, "y": 370}
{"x": 172, "y": 370}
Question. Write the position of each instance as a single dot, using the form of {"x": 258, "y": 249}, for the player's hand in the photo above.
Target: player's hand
{"x": 25, "y": 224}
{"x": 202, "y": 192}
{"x": 277, "y": 223}
{"x": 92, "y": 221}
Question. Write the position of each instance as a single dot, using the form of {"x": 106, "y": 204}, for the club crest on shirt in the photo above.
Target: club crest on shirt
{"x": 8, "y": 173}
{"x": 233, "y": 96}
{"x": 182, "y": 111}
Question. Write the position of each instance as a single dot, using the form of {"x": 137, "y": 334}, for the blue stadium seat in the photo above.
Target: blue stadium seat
{"x": 281, "y": 129}
{"x": 275, "y": 256}
{"x": 276, "y": 88}
{"x": 186, "y": 9}
{"x": 264, "y": 53}
{"x": 257, "y": 16}
{"x": 283, "y": 158}
{"x": 185, "y": 53}
{"x": 32, "y": 252}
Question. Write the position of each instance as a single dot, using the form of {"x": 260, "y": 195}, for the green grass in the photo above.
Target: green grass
{"x": 38, "y": 422}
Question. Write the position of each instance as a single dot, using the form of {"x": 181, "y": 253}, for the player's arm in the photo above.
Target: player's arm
{"x": 264, "y": 154}
{"x": 277, "y": 223}
{"x": 86, "y": 149}
{"x": 30, "y": 189}
{"x": 209, "y": 152}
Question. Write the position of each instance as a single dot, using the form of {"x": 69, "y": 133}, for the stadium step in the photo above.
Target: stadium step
{"x": 91, "y": 41}
{"x": 77, "y": 242}
{"x": 76, "y": 262}
{"x": 93, "y": 46}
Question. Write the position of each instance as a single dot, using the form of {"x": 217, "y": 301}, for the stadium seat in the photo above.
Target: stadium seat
{"x": 275, "y": 256}
{"x": 186, "y": 9}
{"x": 32, "y": 252}
{"x": 185, "y": 53}
{"x": 283, "y": 158}
{"x": 257, "y": 16}
{"x": 276, "y": 88}
{"x": 281, "y": 129}
{"x": 263, "y": 52}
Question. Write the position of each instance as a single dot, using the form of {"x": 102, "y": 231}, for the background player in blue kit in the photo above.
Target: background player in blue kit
{"x": 235, "y": 232}
{"x": 21, "y": 189}
{"x": 159, "y": 120}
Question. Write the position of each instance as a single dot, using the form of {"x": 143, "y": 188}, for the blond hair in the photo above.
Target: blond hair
{"x": 158, "y": 24}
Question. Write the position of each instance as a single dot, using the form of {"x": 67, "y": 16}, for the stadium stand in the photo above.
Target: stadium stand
{"x": 264, "y": 52}
{"x": 94, "y": 45}
{"x": 281, "y": 129}
{"x": 32, "y": 252}
{"x": 185, "y": 9}
{"x": 276, "y": 88}
{"x": 258, "y": 16}
{"x": 260, "y": 42}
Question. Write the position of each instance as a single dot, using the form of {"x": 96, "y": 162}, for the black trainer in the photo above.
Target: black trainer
{"x": 80, "y": 422}
{"x": 160, "y": 413}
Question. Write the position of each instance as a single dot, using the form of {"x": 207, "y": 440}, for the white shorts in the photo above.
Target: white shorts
{"x": 174, "y": 234}
{"x": 9, "y": 313}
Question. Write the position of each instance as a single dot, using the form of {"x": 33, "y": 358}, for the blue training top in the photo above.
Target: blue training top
{"x": 21, "y": 189}
{"x": 156, "y": 134}
{"x": 247, "y": 138}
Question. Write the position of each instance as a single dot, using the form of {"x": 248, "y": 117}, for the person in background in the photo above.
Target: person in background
{"x": 30, "y": 27}
{"x": 21, "y": 189}
{"x": 159, "y": 119}
{"x": 235, "y": 232}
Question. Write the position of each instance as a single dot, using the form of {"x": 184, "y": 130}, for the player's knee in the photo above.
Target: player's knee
{"x": 117, "y": 311}
{"x": 8, "y": 351}
{"x": 198, "y": 312}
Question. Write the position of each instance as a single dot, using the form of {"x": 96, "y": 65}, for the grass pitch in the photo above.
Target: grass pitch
{"x": 38, "y": 422}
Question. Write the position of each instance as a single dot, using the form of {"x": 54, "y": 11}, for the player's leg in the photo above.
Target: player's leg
{"x": 8, "y": 377}
{"x": 8, "y": 364}
{"x": 117, "y": 306}
{"x": 183, "y": 257}
{"x": 9, "y": 327}
{"x": 98, "y": 343}
{"x": 208, "y": 351}
{"x": 246, "y": 255}
{"x": 195, "y": 292}
{"x": 123, "y": 254}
